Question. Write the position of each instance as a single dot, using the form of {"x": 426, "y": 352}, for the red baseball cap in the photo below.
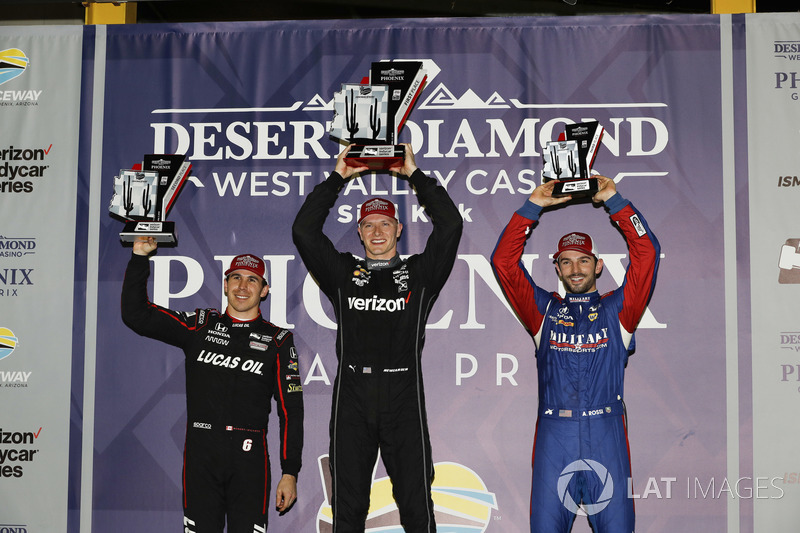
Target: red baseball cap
{"x": 579, "y": 242}
{"x": 250, "y": 263}
{"x": 376, "y": 206}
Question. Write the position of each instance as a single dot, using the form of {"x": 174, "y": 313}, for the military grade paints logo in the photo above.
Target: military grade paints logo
{"x": 13, "y": 63}
{"x": 462, "y": 502}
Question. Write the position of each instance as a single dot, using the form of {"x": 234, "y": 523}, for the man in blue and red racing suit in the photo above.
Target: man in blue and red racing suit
{"x": 235, "y": 363}
{"x": 583, "y": 339}
{"x": 381, "y": 305}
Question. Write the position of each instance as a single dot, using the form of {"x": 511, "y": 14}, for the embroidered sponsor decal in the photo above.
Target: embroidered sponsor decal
{"x": 361, "y": 276}
{"x": 637, "y": 225}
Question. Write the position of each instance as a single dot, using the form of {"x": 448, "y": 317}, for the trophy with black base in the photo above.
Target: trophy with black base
{"x": 144, "y": 194}
{"x": 569, "y": 160}
{"x": 371, "y": 115}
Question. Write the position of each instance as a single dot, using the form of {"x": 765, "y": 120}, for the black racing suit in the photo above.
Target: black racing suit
{"x": 378, "y": 399}
{"x": 233, "y": 368}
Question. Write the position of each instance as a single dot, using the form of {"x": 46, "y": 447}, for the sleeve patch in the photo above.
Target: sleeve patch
{"x": 637, "y": 225}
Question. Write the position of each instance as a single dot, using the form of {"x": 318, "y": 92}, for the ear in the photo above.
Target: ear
{"x": 225, "y": 286}
{"x": 399, "y": 229}
{"x": 264, "y": 291}
{"x": 598, "y": 267}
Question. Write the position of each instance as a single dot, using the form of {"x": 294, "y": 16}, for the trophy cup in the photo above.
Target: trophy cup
{"x": 371, "y": 115}
{"x": 569, "y": 160}
{"x": 144, "y": 195}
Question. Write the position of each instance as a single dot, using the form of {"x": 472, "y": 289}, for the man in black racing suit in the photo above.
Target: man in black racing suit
{"x": 235, "y": 362}
{"x": 381, "y": 305}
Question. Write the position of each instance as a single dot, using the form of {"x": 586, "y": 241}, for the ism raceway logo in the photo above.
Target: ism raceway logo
{"x": 8, "y": 343}
{"x": 11, "y": 378}
{"x": 13, "y": 63}
{"x": 462, "y": 503}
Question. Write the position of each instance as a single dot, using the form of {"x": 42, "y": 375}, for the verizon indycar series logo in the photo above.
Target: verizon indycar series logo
{"x": 21, "y": 167}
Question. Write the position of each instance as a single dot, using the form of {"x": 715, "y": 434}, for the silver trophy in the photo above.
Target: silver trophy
{"x": 569, "y": 160}
{"x": 370, "y": 116}
{"x": 144, "y": 195}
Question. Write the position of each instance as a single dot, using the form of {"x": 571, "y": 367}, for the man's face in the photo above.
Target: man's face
{"x": 245, "y": 291}
{"x": 379, "y": 234}
{"x": 578, "y": 271}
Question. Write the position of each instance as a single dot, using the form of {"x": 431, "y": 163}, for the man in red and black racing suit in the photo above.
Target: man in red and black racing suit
{"x": 583, "y": 340}
{"x": 381, "y": 305}
{"x": 235, "y": 363}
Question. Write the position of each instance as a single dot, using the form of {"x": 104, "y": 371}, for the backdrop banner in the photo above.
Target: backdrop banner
{"x": 700, "y": 117}
{"x": 773, "y": 49}
{"x": 40, "y": 81}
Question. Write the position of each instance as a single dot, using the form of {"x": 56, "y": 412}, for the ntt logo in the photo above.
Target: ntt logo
{"x": 585, "y": 465}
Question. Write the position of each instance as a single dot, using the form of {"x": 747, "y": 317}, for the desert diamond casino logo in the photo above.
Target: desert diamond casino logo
{"x": 787, "y": 49}
{"x": 12, "y": 64}
{"x": 17, "y": 246}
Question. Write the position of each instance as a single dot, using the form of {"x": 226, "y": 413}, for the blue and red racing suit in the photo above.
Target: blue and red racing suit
{"x": 580, "y": 453}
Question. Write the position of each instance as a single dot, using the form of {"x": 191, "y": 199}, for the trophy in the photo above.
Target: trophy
{"x": 569, "y": 160}
{"x": 371, "y": 115}
{"x": 144, "y": 195}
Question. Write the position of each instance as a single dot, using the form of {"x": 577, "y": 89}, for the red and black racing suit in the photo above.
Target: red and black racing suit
{"x": 233, "y": 368}
{"x": 381, "y": 310}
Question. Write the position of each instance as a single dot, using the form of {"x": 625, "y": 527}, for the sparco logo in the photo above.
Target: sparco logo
{"x": 16, "y": 246}
{"x": 376, "y": 304}
{"x": 15, "y": 448}
{"x": 17, "y": 164}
